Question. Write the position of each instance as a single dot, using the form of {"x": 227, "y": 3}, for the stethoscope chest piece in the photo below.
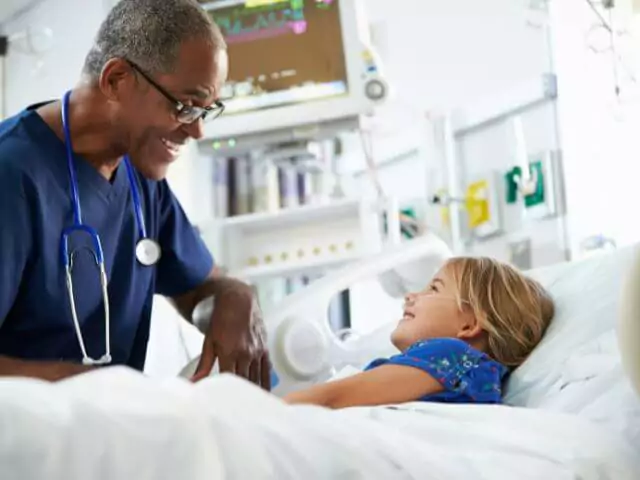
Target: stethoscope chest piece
{"x": 148, "y": 252}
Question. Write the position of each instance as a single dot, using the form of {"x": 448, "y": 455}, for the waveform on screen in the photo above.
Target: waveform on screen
{"x": 244, "y": 25}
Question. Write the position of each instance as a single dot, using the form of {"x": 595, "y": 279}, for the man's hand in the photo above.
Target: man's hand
{"x": 236, "y": 337}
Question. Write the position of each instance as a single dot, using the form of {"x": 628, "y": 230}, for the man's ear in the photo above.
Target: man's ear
{"x": 117, "y": 79}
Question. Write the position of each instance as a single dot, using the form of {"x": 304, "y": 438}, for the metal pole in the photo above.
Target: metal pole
{"x": 453, "y": 188}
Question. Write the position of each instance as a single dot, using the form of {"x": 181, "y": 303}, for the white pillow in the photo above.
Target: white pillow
{"x": 586, "y": 295}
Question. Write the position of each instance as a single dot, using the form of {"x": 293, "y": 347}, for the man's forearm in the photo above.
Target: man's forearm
{"x": 50, "y": 371}
{"x": 216, "y": 284}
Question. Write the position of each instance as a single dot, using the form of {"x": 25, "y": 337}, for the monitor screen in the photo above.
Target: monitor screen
{"x": 281, "y": 52}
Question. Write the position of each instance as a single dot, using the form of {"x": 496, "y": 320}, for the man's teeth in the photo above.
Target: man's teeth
{"x": 170, "y": 145}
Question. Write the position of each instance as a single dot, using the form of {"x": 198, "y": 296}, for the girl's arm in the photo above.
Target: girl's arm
{"x": 384, "y": 385}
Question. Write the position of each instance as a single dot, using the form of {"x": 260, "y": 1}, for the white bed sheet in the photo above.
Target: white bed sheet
{"x": 117, "y": 424}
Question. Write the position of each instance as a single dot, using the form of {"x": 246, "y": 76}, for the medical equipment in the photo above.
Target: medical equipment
{"x": 524, "y": 179}
{"x": 303, "y": 347}
{"x": 148, "y": 251}
{"x": 302, "y": 240}
{"x": 286, "y": 92}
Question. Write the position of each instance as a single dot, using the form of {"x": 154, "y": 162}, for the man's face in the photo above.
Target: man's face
{"x": 154, "y": 133}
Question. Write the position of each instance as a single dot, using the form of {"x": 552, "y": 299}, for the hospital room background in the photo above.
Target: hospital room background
{"x": 475, "y": 130}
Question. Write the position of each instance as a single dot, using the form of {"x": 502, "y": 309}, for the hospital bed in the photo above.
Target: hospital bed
{"x": 571, "y": 413}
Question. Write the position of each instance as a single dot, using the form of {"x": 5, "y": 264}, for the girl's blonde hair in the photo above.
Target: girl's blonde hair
{"x": 512, "y": 309}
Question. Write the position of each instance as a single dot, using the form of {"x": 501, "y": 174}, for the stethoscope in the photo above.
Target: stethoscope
{"x": 148, "y": 251}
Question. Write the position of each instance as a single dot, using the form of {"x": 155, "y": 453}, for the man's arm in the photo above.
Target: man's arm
{"x": 215, "y": 284}
{"x": 384, "y": 385}
{"x": 234, "y": 334}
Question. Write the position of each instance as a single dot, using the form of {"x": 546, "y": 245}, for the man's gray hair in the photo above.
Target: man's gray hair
{"x": 149, "y": 33}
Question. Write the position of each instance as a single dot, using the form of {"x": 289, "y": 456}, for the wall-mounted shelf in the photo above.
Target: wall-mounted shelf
{"x": 309, "y": 267}
{"x": 288, "y": 217}
{"x": 297, "y": 241}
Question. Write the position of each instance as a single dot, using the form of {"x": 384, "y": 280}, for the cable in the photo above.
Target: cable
{"x": 619, "y": 63}
{"x": 603, "y": 21}
{"x": 407, "y": 224}
{"x": 614, "y": 51}
{"x": 367, "y": 149}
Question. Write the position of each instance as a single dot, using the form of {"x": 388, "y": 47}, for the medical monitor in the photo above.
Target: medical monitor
{"x": 291, "y": 63}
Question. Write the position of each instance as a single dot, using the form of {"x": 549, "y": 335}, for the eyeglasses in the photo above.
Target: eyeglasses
{"x": 186, "y": 114}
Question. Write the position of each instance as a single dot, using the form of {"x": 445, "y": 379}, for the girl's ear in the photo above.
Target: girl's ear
{"x": 470, "y": 327}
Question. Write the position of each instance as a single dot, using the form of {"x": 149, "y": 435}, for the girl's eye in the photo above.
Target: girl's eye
{"x": 433, "y": 288}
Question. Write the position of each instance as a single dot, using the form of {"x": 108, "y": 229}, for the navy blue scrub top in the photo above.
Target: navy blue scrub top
{"x": 35, "y": 206}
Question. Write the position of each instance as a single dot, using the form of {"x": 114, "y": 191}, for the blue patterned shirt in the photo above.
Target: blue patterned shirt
{"x": 467, "y": 375}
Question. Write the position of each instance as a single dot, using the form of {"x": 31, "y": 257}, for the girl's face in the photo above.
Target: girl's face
{"x": 434, "y": 313}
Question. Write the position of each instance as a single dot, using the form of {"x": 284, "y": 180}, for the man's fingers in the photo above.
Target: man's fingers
{"x": 243, "y": 366}
{"x": 265, "y": 373}
{"x": 205, "y": 365}
{"x": 254, "y": 372}
{"x": 227, "y": 364}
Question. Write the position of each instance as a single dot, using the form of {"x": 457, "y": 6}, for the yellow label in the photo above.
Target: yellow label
{"x": 477, "y": 203}
{"x": 261, "y": 3}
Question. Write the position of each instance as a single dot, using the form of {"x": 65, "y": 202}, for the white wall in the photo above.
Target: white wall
{"x": 440, "y": 54}
{"x": 599, "y": 134}
{"x": 60, "y": 66}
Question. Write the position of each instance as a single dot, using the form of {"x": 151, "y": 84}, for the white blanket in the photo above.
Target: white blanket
{"x": 117, "y": 424}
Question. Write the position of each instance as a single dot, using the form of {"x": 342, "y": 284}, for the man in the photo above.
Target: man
{"x": 152, "y": 77}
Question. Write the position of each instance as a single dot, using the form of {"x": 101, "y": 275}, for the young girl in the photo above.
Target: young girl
{"x": 477, "y": 320}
